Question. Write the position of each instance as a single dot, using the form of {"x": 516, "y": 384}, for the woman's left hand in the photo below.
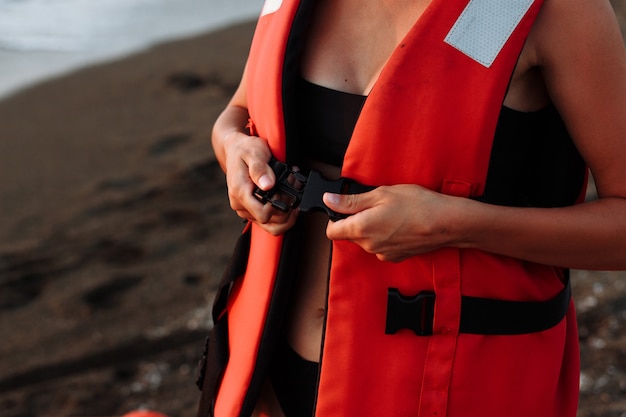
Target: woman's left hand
{"x": 396, "y": 222}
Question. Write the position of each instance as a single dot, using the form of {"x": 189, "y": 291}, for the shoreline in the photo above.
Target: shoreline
{"x": 22, "y": 69}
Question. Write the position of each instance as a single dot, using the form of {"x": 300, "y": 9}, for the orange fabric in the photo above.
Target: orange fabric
{"x": 251, "y": 295}
{"x": 429, "y": 120}
{"x": 143, "y": 413}
{"x": 247, "y": 307}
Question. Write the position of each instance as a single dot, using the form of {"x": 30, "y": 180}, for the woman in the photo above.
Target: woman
{"x": 442, "y": 293}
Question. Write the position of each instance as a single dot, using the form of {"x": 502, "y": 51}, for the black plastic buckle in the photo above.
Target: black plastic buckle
{"x": 415, "y": 313}
{"x": 293, "y": 189}
{"x": 314, "y": 190}
{"x": 287, "y": 192}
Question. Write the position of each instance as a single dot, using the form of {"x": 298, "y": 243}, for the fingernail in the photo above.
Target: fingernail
{"x": 331, "y": 198}
{"x": 265, "y": 182}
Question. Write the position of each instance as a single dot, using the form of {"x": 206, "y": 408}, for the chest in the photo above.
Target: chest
{"x": 432, "y": 101}
{"x": 350, "y": 41}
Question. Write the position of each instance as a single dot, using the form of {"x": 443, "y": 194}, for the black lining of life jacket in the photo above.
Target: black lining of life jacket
{"x": 283, "y": 285}
{"x": 533, "y": 161}
{"x": 216, "y": 353}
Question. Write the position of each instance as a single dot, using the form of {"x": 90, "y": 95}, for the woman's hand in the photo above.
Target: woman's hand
{"x": 396, "y": 222}
{"x": 244, "y": 159}
{"x": 246, "y": 167}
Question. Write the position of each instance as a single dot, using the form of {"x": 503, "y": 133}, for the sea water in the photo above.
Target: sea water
{"x": 40, "y": 39}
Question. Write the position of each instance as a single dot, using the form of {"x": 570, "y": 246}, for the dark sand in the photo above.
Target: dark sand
{"x": 115, "y": 228}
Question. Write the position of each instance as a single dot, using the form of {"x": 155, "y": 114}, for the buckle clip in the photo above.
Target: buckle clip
{"x": 287, "y": 192}
{"x": 293, "y": 189}
{"x": 314, "y": 190}
{"x": 416, "y": 313}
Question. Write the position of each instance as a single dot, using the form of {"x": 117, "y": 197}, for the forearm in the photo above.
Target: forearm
{"x": 586, "y": 236}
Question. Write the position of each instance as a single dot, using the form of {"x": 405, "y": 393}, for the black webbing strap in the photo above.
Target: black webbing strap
{"x": 488, "y": 316}
{"x": 478, "y": 315}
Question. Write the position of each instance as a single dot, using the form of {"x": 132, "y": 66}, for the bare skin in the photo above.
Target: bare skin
{"x": 577, "y": 63}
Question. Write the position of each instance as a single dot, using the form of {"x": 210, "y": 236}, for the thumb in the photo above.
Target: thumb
{"x": 262, "y": 175}
{"x": 344, "y": 203}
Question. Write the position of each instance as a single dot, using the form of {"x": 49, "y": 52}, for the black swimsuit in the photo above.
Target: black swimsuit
{"x": 326, "y": 119}
{"x": 533, "y": 163}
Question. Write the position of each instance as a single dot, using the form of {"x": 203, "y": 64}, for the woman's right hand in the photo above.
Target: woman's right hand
{"x": 246, "y": 166}
{"x": 245, "y": 159}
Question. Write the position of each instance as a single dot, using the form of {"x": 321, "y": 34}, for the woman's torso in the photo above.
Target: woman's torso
{"x": 348, "y": 44}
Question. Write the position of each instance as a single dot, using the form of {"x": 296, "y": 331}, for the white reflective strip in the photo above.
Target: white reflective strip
{"x": 484, "y": 27}
{"x": 271, "y": 6}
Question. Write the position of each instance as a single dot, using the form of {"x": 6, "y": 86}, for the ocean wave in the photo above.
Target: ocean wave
{"x": 85, "y": 25}
{"x": 44, "y": 38}
{"x": 66, "y": 25}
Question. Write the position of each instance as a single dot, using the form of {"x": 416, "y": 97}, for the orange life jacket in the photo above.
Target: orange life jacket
{"x": 429, "y": 120}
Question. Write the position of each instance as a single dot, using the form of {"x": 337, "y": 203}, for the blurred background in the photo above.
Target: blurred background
{"x": 114, "y": 220}
{"x": 43, "y": 38}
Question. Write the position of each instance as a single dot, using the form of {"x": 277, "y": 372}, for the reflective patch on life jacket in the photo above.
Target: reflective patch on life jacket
{"x": 485, "y": 26}
{"x": 271, "y": 6}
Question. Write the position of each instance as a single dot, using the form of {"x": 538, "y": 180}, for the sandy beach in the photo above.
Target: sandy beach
{"x": 115, "y": 229}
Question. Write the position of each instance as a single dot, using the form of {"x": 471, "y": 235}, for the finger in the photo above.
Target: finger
{"x": 244, "y": 214}
{"x": 278, "y": 223}
{"x": 240, "y": 191}
{"x": 266, "y": 216}
{"x": 346, "y": 203}
{"x": 260, "y": 172}
{"x": 269, "y": 215}
{"x": 281, "y": 225}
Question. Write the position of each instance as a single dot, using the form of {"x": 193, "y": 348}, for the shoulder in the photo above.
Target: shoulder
{"x": 577, "y": 43}
{"x": 570, "y": 28}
